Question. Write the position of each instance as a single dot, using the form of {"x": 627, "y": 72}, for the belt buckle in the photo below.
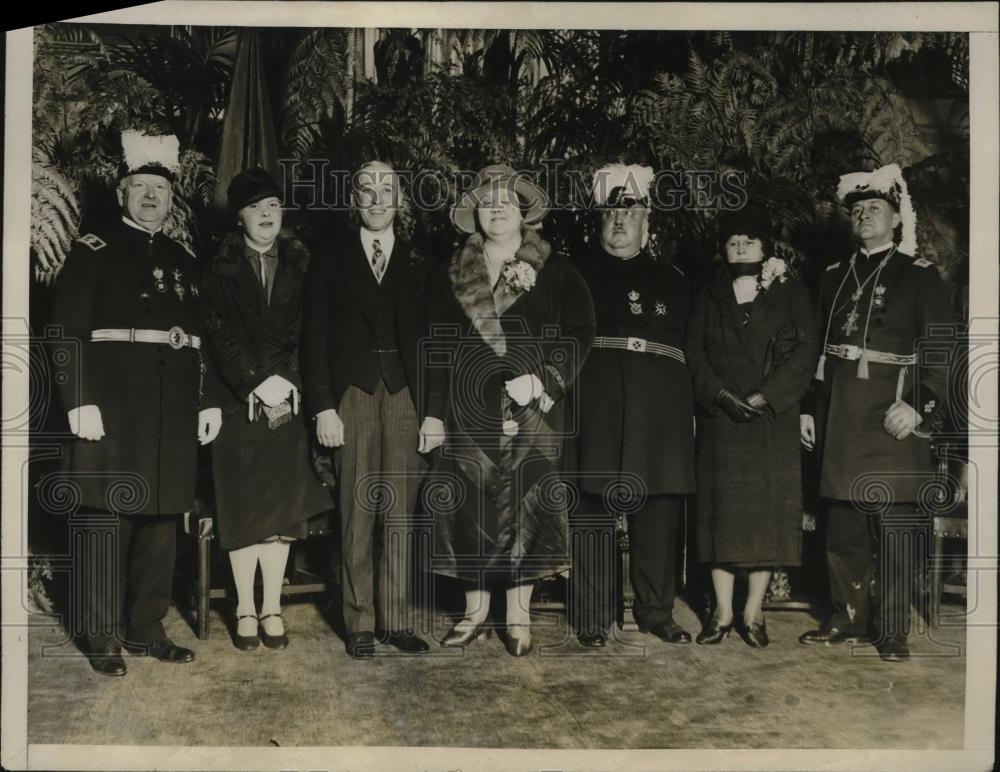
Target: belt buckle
{"x": 850, "y": 351}
{"x": 635, "y": 344}
{"x": 175, "y": 338}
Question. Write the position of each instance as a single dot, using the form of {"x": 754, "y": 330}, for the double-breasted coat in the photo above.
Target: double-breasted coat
{"x": 500, "y": 511}
{"x": 749, "y": 474}
{"x": 859, "y": 460}
{"x": 264, "y": 482}
{"x": 148, "y": 393}
{"x": 636, "y": 408}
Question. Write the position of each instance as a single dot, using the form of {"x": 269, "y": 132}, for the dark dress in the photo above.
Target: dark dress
{"x": 264, "y": 482}
{"x": 749, "y": 474}
{"x": 499, "y": 506}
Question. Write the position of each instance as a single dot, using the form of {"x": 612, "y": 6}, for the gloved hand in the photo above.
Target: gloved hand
{"x": 524, "y": 388}
{"x": 431, "y": 434}
{"x": 758, "y": 401}
{"x": 209, "y": 424}
{"x": 86, "y": 423}
{"x": 901, "y": 419}
{"x": 274, "y": 390}
{"x": 737, "y": 408}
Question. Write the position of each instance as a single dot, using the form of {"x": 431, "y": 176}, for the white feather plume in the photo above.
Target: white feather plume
{"x": 142, "y": 150}
{"x": 634, "y": 178}
{"x": 887, "y": 179}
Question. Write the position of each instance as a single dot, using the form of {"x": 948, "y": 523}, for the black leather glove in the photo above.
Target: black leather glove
{"x": 759, "y": 401}
{"x": 735, "y": 406}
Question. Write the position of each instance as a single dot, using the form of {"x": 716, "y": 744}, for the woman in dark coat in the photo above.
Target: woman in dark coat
{"x": 752, "y": 346}
{"x": 524, "y": 323}
{"x": 265, "y": 488}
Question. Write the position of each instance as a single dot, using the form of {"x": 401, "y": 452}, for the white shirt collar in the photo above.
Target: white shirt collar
{"x": 879, "y": 248}
{"x": 133, "y": 224}
{"x": 385, "y": 238}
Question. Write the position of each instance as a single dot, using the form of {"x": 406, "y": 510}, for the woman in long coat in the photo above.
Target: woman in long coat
{"x": 265, "y": 488}
{"x": 523, "y": 322}
{"x": 752, "y": 345}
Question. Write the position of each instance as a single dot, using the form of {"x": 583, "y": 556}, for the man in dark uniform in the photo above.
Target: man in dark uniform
{"x": 365, "y": 314}
{"x": 636, "y": 443}
{"x": 876, "y": 406}
{"x": 127, "y": 299}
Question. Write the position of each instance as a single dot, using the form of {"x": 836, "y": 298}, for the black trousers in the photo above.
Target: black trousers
{"x": 122, "y": 576}
{"x": 652, "y": 562}
{"x": 883, "y": 551}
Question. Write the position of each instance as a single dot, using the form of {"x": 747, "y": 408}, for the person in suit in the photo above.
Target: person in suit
{"x": 636, "y": 440}
{"x": 265, "y": 488}
{"x": 128, "y": 298}
{"x": 365, "y": 315}
{"x": 523, "y": 323}
{"x": 752, "y": 346}
{"x": 876, "y": 407}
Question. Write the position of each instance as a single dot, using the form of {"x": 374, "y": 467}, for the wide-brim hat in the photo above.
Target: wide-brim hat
{"x": 149, "y": 154}
{"x": 751, "y": 220}
{"x": 250, "y": 186}
{"x": 534, "y": 200}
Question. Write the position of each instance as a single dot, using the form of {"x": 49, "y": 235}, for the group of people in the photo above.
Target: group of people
{"x": 498, "y": 377}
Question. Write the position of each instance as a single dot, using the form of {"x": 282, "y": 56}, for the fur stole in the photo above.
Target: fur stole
{"x": 470, "y": 283}
{"x": 232, "y": 252}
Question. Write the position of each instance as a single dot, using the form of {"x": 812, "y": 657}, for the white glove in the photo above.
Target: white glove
{"x": 85, "y": 422}
{"x": 329, "y": 429}
{"x": 274, "y": 390}
{"x": 524, "y": 388}
{"x": 431, "y": 435}
{"x": 901, "y": 419}
{"x": 807, "y": 431}
{"x": 209, "y": 424}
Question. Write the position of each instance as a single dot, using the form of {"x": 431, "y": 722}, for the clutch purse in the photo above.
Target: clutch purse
{"x": 278, "y": 415}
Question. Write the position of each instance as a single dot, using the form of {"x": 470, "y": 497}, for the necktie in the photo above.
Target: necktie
{"x": 268, "y": 265}
{"x": 378, "y": 259}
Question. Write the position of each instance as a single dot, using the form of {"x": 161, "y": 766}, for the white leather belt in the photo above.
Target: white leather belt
{"x": 641, "y": 346}
{"x": 853, "y": 353}
{"x": 175, "y": 337}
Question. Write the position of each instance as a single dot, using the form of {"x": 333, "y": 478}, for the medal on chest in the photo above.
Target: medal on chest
{"x": 660, "y": 309}
{"x": 178, "y": 287}
{"x": 634, "y": 305}
{"x": 158, "y": 279}
{"x": 850, "y": 325}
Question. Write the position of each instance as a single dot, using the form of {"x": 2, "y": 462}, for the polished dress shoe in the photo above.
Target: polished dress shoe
{"x": 518, "y": 640}
{"x": 246, "y": 642}
{"x": 405, "y": 640}
{"x": 593, "y": 640}
{"x": 108, "y": 661}
{"x": 712, "y": 632}
{"x": 832, "y": 636}
{"x": 279, "y": 641}
{"x": 754, "y": 634}
{"x": 361, "y": 645}
{"x": 894, "y": 650}
{"x": 464, "y": 633}
{"x": 164, "y": 650}
{"x": 670, "y": 632}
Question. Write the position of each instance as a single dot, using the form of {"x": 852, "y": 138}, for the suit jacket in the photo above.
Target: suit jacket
{"x": 338, "y": 328}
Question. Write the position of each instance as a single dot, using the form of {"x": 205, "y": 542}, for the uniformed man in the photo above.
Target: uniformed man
{"x": 127, "y": 299}
{"x": 876, "y": 406}
{"x": 636, "y": 443}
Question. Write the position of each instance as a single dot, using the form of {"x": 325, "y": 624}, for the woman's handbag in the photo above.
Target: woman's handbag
{"x": 780, "y": 348}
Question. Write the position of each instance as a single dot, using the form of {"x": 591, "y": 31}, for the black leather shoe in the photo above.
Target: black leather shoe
{"x": 272, "y": 641}
{"x": 593, "y": 640}
{"x": 108, "y": 661}
{"x": 894, "y": 650}
{"x": 460, "y": 638}
{"x": 671, "y": 632}
{"x": 832, "y": 636}
{"x": 164, "y": 650}
{"x": 405, "y": 640}
{"x": 246, "y": 642}
{"x": 754, "y": 634}
{"x": 713, "y": 633}
{"x": 361, "y": 645}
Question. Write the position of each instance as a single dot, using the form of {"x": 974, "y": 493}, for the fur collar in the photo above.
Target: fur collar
{"x": 230, "y": 255}
{"x": 470, "y": 282}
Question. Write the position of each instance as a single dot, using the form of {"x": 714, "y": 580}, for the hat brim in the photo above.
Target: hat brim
{"x": 863, "y": 195}
{"x": 259, "y": 196}
{"x": 463, "y": 214}
{"x": 157, "y": 169}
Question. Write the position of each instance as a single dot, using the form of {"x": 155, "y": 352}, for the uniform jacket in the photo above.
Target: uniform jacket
{"x": 339, "y": 324}
{"x": 148, "y": 394}
{"x": 636, "y": 408}
{"x": 858, "y": 458}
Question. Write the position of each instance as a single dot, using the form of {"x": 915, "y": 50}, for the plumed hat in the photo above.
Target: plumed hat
{"x": 888, "y": 184}
{"x": 149, "y": 154}
{"x": 618, "y": 185}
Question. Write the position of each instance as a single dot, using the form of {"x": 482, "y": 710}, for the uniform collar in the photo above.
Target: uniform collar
{"x": 879, "y": 249}
{"x": 132, "y": 224}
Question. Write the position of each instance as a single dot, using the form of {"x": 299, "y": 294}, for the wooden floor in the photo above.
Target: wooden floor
{"x": 637, "y": 693}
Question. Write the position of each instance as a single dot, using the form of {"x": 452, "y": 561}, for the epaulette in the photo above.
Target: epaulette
{"x": 832, "y": 266}
{"x": 188, "y": 250}
{"x": 922, "y": 262}
{"x": 92, "y": 241}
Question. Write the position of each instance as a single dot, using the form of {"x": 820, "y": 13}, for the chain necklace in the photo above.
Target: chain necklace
{"x": 850, "y": 326}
